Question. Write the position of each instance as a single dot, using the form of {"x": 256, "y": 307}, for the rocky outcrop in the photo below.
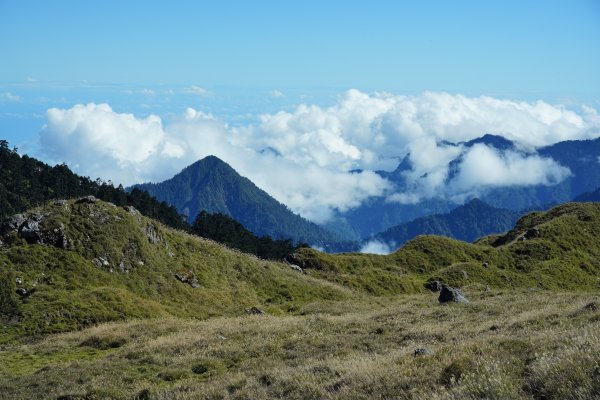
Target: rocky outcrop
{"x": 152, "y": 234}
{"x": 188, "y": 278}
{"x": 32, "y": 230}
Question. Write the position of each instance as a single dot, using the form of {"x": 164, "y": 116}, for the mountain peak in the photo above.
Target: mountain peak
{"x": 212, "y": 185}
{"x": 495, "y": 141}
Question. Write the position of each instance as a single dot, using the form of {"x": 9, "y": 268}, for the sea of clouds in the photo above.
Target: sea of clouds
{"x": 304, "y": 157}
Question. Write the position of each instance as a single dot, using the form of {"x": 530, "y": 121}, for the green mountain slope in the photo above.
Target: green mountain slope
{"x": 212, "y": 185}
{"x": 467, "y": 222}
{"x": 80, "y": 263}
{"x": 556, "y": 250}
{"x": 70, "y": 264}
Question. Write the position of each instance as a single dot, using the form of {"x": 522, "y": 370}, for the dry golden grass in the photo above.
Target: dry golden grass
{"x": 512, "y": 345}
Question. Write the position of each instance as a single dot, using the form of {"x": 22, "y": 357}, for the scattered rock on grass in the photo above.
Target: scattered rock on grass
{"x": 448, "y": 294}
{"x": 254, "y": 311}
{"x": 422, "y": 351}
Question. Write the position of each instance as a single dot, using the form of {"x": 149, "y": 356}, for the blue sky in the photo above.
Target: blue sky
{"x": 524, "y": 48}
{"x": 136, "y": 90}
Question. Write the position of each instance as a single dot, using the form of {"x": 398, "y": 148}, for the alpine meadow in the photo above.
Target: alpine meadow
{"x": 299, "y": 200}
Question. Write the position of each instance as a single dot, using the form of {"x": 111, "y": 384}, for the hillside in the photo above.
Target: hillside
{"x": 213, "y": 186}
{"x": 555, "y": 250}
{"x": 150, "y": 312}
{"x": 467, "y": 223}
{"x": 78, "y": 263}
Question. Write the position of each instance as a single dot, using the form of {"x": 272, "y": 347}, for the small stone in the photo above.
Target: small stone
{"x": 296, "y": 268}
{"x": 61, "y": 203}
{"x": 19, "y": 281}
{"x": 254, "y": 311}
{"x": 485, "y": 264}
{"x": 22, "y": 292}
{"x": 422, "y": 351}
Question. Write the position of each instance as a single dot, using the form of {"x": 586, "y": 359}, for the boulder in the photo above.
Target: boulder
{"x": 448, "y": 294}
{"x": 434, "y": 286}
{"x": 30, "y": 230}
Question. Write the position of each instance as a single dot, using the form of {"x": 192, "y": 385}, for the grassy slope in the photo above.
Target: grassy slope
{"x": 326, "y": 337}
{"x": 565, "y": 256}
{"x": 73, "y": 292}
{"x": 511, "y": 345}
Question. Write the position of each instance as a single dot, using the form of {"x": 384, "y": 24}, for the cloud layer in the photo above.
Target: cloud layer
{"x": 303, "y": 157}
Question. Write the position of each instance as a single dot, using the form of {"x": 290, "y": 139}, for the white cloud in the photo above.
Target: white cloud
{"x": 9, "y": 97}
{"x": 375, "y": 247}
{"x": 485, "y": 166}
{"x": 199, "y": 91}
{"x": 277, "y": 93}
{"x": 313, "y": 148}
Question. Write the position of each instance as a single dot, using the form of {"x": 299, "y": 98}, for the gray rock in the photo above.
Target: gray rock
{"x": 451, "y": 294}
{"x": 422, "y": 351}
{"x": 86, "y": 200}
{"x": 30, "y": 230}
{"x": 485, "y": 264}
{"x": 61, "y": 203}
{"x": 131, "y": 210}
{"x": 296, "y": 268}
{"x": 189, "y": 279}
{"x": 22, "y": 292}
{"x": 254, "y": 311}
{"x": 152, "y": 234}
{"x": 13, "y": 222}
{"x": 434, "y": 286}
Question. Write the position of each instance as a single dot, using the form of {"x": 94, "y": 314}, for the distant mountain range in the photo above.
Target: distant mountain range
{"x": 378, "y": 214}
{"x": 467, "y": 222}
{"x": 212, "y": 185}
{"x": 589, "y": 196}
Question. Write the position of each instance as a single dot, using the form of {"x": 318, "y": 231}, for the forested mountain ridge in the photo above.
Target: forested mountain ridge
{"x": 212, "y": 185}
{"x": 579, "y": 156}
{"x": 26, "y": 182}
{"x": 468, "y": 222}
